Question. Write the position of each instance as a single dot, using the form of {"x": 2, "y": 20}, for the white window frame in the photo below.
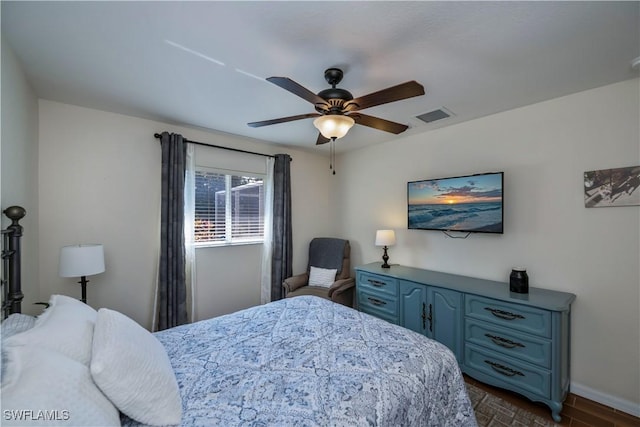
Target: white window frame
{"x": 229, "y": 240}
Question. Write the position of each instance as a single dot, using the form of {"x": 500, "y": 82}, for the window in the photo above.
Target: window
{"x": 228, "y": 208}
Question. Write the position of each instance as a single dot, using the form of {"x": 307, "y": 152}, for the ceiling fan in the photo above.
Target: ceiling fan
{"x": 337, "y": 110}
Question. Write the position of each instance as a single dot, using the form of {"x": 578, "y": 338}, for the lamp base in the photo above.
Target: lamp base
{"x": 385, "y": 258}
{"x": 83, "y": 283}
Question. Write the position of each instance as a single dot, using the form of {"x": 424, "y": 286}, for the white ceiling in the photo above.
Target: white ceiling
{"x": 187, "y": 62}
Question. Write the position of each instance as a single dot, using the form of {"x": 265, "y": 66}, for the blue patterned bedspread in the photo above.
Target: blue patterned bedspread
{"x": 306, "y": 361}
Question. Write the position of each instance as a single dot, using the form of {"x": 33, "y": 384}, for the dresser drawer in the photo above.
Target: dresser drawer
{"x": 379, "y": 315}
{"x": 375, "y": 283}
{"x": 513, "y": 316}
{"x": 521, "y": 346}
{"x": 507, "y": 370}
{"x": 374, "y": 303}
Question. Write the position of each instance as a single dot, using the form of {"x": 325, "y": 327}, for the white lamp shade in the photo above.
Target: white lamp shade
{"x": 81, "y": 260}
{"x": 385, "y": 238}
{"x": 333, "y": 125}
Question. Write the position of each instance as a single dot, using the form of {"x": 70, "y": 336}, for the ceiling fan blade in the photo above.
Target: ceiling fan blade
{"x": 295, "y": 88}
{"x": 378, "y": 123}
{"x": 321, "y": 139}
{"x": 282, "y": 120}
{"x": 395, "y": 93}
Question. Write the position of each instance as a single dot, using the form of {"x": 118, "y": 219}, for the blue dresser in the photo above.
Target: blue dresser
{"x": 515, "y": 341}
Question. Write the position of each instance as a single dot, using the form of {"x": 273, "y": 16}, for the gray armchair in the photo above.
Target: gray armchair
{"x": 328, "y": 253}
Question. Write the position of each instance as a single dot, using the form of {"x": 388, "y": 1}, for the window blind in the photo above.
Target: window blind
{"x": 228, "y": 208}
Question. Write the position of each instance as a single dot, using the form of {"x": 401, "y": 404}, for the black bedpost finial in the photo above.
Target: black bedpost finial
{"x": 15, "y": 214}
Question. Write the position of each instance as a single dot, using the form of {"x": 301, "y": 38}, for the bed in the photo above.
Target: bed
{"x": 309, "y": 361}
{"x": 301, "y": 361}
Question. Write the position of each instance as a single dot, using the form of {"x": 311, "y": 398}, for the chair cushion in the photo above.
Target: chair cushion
{"x": 310, "y": 290}
{"x": 327, "y": 252}
{"x": 322, "y": 276}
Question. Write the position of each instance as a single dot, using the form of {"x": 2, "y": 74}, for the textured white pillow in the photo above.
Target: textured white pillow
{"x": 65, "y": 326}
{"x": 12, "y": 325}
{"x": 46, "y": 388}
{"x": 322, "y": 276}
{"x": 16, "y": 323}
{"x": 132, "y": 369}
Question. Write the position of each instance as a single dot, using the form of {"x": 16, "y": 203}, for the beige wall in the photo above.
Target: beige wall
{"x": 19, "y": 167}
{"x": 99, "y": 181}
{"x": 543, "y": 150}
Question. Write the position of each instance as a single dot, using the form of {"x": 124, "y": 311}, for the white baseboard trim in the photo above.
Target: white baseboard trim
{"x": 623, "y": 405}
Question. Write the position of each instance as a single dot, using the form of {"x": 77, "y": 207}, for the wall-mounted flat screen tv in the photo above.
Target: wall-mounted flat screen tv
{"x": 471, "y": 203}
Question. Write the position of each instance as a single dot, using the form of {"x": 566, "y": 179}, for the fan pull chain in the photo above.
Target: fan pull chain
{"x": 332, "y": 155}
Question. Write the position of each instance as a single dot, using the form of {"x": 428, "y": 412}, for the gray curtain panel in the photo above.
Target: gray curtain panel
{"x": 172, "y": 290}
{"x": 282, "y": 242}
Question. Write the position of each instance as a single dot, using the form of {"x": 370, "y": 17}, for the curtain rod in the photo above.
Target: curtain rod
{"x": 157, "y": 135}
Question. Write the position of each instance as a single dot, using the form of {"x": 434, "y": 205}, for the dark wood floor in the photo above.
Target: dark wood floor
{"x": 576, "y": 412}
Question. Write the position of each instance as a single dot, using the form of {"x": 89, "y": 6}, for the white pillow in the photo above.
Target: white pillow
{"x": 132, "y": 369}
{"x": 16, "y": 323}
{"x": 322, "y": 276}
{"x": 45, "y": 388}
{"x": 65, "y": 326}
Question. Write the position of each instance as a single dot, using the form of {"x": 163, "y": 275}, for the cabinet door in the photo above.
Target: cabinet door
{"x": 413, "y": 298}
{"x": 444, "y": 318}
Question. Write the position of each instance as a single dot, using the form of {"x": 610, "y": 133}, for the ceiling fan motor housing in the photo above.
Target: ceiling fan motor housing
{"x": 336, "y": 97}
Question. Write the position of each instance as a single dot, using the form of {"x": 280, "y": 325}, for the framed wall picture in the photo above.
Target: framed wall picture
{"x": 612, "y": 187}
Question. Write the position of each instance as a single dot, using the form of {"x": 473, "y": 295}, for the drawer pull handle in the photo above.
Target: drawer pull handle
{"x": 504, "y": 370}
{"x": 504, "y": 314}
{"x": 376, "y": 283}
{"x": 376, "y": 301}
{"x": 503, "y": 342}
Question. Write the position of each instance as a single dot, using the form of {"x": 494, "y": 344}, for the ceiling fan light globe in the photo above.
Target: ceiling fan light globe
{"x": 333, "y": 125}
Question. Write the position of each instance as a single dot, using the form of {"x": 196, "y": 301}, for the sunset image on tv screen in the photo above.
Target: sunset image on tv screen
{"x": 468, "y": 203}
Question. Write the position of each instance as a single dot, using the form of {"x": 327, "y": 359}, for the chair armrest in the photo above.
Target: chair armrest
{"x": 292, "y": 283}
{"x": 341, "y": 285}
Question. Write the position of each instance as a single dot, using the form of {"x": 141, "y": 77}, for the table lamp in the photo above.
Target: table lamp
{"x": 385, "y": 238}
{"x": 81, "y": 261}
